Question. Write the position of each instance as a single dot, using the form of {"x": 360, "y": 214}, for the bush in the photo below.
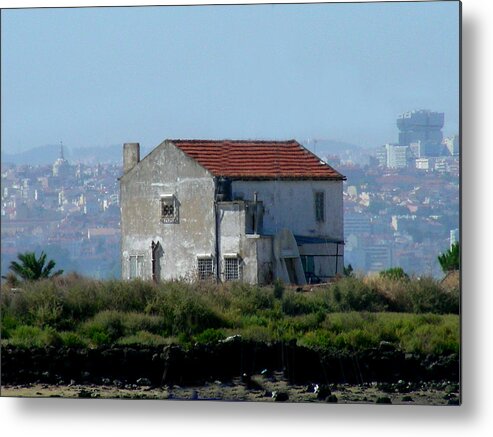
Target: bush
{"x": 105, "y": 328}
{"x": 143, "y": 338}
{"x": 394, "y": 274}
{"x": 248, "y": 299}
{"x": 32, "y": 336}
{"x": 294, "y": 303}
{"x": 210, "y": 336}
{"x": 426, "y": 296}
{"x": 72, "y": 339}
{"x": 353, "y": 294}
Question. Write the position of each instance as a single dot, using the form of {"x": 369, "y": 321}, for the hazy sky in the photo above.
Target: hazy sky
{"x": 100, "y": 76}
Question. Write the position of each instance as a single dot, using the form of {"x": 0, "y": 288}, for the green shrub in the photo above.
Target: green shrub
{"x": 9, "y": 323}
{"x": 353, "y": 294}
{"x": 395, "y": 274}
{"x": 248, "y": 299}
{"x": 72, "y": 339}
{"x": 33, "y": 336}
{"x": 294, "y": 303}
{"x": 143, "y": 338}
{"x": 105, "y": 328}
{"x": 426, "y": 296}
{"x": 210, "y": 336}
{"x": 278, "y": 289}
{"x": 319, "y": 339}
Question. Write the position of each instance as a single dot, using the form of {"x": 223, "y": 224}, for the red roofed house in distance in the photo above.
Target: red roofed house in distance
{"x": 252, "y": 211}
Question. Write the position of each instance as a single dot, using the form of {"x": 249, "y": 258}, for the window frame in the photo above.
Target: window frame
{"x": 139, "y": 266}
{"x": 319, "y": 204}
{"x": 209, "y": 272}
{"x": 167, "y": 201}
{"x": 227, "y": 271}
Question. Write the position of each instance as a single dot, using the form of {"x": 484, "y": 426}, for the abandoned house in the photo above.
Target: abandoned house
{"x": 229, "y": 210}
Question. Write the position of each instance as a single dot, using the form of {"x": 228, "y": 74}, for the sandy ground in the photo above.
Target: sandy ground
{"x": 258, "y": 389}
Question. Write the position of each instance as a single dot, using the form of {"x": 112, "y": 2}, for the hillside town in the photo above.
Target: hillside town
{"x": 69, "y": 211}
{"x": 401, "y": 205}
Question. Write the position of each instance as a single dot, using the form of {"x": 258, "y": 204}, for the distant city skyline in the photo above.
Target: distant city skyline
{"x": 102, "y": 76}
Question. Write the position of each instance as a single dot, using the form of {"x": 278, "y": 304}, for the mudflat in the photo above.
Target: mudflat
{"x": 257, "y": 388}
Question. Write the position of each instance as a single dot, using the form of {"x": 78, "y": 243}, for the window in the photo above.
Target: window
{"x": 204, "y": 268}
{"x": 231, "y": 269}
{"x": 320, "y": 206}
{"x": 169, "y": 209}
{"x": 136, "y": 264}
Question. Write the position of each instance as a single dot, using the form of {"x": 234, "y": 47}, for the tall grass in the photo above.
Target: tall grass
{"x": 350, "y": 314}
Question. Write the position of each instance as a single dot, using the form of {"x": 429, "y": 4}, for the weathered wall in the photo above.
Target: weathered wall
{"x": 255, "y": 251}
{"x": 290, "y": 204}
{"x": 232, "y": 239}
{"x": 167, "y": 170}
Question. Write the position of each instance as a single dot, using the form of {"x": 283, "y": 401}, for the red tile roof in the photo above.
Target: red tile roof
{"x": 257, "y": 159}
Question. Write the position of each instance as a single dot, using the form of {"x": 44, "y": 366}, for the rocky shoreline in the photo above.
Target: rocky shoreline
{"x": 232, "y": 370}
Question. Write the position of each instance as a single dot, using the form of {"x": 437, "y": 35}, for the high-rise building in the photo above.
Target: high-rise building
{"x": 454, "y": 236}
{"x": 421, "y": 127}
{"x": 397, "y": 155}
{"x": 452, "y": 145}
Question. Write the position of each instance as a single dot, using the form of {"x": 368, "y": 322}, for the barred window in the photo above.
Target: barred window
{"x": 205, "y": 268}
{"x": 320, "y": 206}
{"x": 169, "y": 209}
{"x": 231, "y": 269}
{"x": 136, "y": 266}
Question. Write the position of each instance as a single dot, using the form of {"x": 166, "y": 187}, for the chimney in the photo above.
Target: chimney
{"x": 131, "y": 156}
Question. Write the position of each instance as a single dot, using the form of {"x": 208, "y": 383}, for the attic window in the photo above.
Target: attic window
{"x": 169, "y": 209}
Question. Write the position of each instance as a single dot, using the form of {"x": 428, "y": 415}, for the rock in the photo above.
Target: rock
{"x": 386, "y": 346}
{"x": 323, "y": 391}
{"x": 312, "y": 388}
{"x": 386, "y": 387}
{"x": 452, "y": 388}
{"x": 250, "y": 383}
{"x": 401, "y": 386}
{"x": 143, "y": 381}
{"x": 231, "y": 338}
{"x": 280, "y": 396}
{"x": 331, "y": 399}
{"x": 84, "y": 394}
{"x": 383, "y": 400}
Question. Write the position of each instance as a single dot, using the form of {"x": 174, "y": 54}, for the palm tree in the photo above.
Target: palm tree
{"x": 31, "y": 268}
{"x": 450, "y": 260}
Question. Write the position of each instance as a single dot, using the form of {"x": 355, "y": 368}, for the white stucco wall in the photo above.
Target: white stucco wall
{"x": 167, "y": 170}
{"x": 291, "y": 204}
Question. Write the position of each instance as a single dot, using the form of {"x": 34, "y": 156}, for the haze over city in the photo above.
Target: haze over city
{"x": 102, "y": 76}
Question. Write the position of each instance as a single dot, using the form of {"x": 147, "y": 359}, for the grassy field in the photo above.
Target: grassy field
{"x": 355, "y": 313}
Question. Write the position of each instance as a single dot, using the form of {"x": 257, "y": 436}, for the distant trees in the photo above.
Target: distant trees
{"x": 450, "y": 260}
{"x": 30, "y": 268}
